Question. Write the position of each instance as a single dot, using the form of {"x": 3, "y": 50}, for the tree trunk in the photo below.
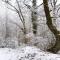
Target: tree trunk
{"x": 34, "y": 17}
{"x": 53, "y": 29}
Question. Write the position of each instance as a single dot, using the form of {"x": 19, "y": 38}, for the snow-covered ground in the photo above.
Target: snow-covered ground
{"x": 26, "y": 53}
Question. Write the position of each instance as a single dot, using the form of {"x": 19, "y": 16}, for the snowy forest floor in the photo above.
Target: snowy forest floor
{"x": 26, "y": 53}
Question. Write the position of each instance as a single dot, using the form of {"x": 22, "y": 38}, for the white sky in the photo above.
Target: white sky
{"x": 40, "y": 1}
{"x": 58, "y": 2}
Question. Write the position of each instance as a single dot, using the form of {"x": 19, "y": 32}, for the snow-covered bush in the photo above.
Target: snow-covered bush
{"x": 40, "y": 42}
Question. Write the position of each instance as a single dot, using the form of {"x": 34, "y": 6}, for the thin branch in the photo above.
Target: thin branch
{"x": 51, "y": 3}
{"x": 20, "y": 9}
{"x": 39, "y": 5}
{"x": 21, "y": 15}
{"x": 58, "y": 9}
{"x": 29, "y": 7}
{"x": 54, "y": 2}
{"x": 20, "y": 12}
{"x": 11, "y": 5}
{"x": 15, "y": 10}
{"x": 11, "y": 9}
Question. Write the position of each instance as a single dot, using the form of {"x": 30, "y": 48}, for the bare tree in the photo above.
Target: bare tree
{"x": 33, "y": 9}
{"x": 19, "y": 12}
{"x": 53, "y": 29}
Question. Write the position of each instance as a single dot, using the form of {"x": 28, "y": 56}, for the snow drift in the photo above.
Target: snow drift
{"x": 26, "y": 53}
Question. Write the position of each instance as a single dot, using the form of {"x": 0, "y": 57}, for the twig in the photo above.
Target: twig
{"x": 11, "y": 5}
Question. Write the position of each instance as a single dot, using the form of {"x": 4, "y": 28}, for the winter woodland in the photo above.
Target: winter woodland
{"x": 29, "y": 30}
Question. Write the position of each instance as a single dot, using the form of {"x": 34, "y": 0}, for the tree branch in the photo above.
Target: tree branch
{"x": 39, "y": 5}
{"x": 11, "y": 5}
{"x": 20, "y": 14}
{"x": 11, "y": 9}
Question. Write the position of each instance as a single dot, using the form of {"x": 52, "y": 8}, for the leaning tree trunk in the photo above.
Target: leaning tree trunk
{"x": 34, "y": 17}
{"x": 53, "y": 29}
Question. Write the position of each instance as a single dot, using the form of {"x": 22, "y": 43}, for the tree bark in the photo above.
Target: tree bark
{"x": 34, "y": 17}
{"x": 53, "y": 29}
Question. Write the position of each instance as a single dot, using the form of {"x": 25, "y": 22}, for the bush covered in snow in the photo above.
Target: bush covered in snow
{"x": 38, "y": 41}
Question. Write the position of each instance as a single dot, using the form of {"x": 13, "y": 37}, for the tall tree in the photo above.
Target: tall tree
{"x": 53, "y": 29}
